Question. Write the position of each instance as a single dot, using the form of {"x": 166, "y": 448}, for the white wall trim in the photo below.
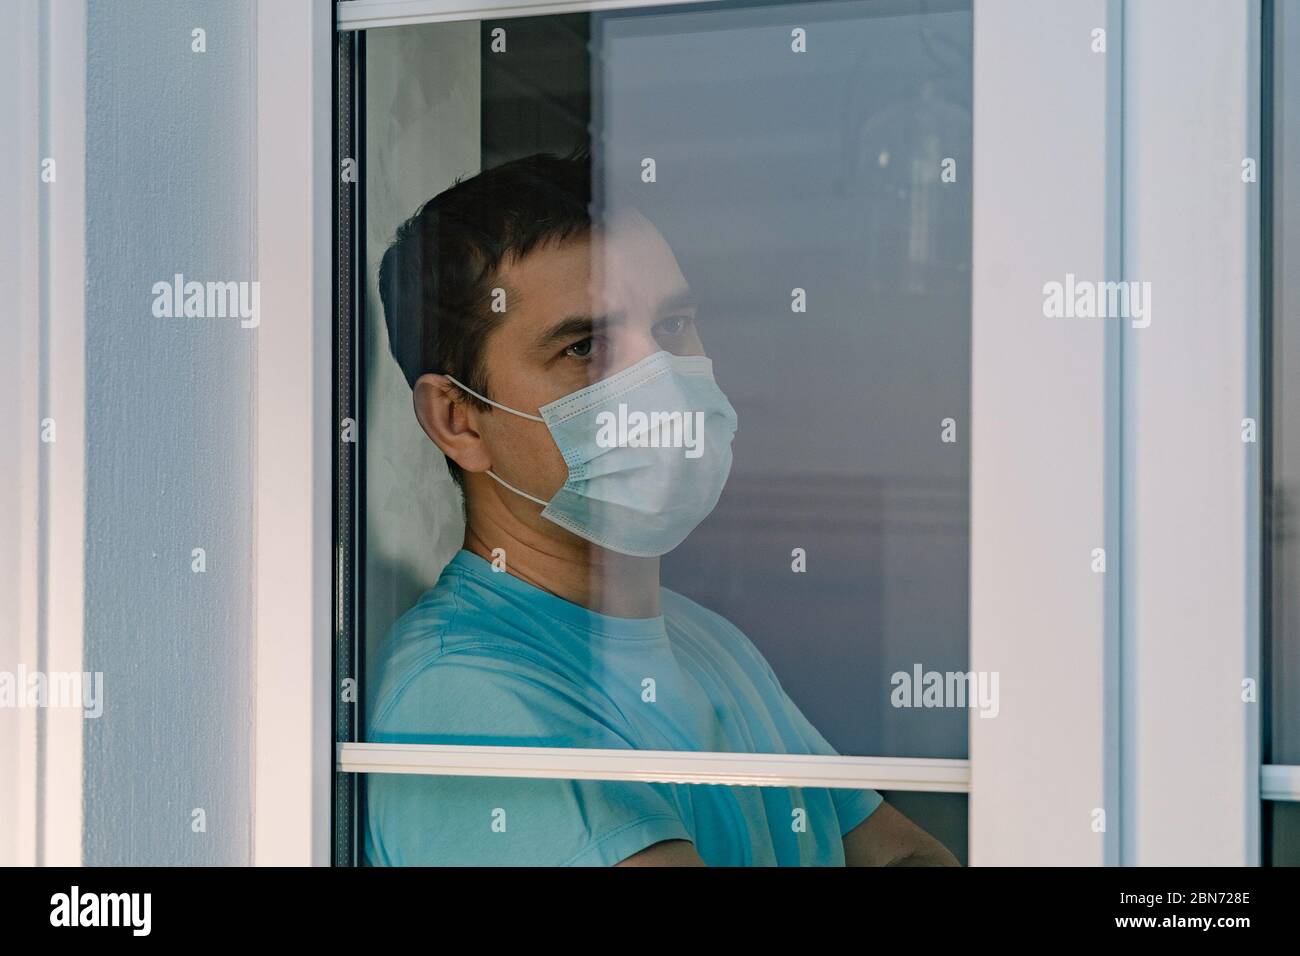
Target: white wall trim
{"x": 1192, "y": 486}
{"x": 21, "y": 379}
{"x": 1043, "y": 468}
{"x": 656, "y": 766}
{"x": 293, "y": 407}
{"x": 64, "y": 513}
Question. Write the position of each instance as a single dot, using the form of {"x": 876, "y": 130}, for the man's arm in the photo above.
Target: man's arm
{"x": 665, "y": 853}
{"x": 887, "y": 838}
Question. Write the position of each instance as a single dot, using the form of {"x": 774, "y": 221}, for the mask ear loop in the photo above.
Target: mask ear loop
{"x": 504, "y": 408}
{"x": 522, "y": 494}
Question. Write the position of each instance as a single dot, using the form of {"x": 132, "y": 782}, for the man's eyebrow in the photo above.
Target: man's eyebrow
{"x": 584, "y": 325}
{"x": 574, "y": 325}
{"x": 682, "y": 299}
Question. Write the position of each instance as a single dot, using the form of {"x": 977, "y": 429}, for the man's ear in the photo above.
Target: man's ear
{"x": 449, "y": 422}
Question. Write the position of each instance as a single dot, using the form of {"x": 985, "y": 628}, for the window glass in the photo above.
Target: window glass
{"x": 803, "y": 195}
{"x": 721, "y": 500}
{"x": 420, "y": 820}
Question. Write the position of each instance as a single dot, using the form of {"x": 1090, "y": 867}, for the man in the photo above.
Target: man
{"x": 555, "y": 362}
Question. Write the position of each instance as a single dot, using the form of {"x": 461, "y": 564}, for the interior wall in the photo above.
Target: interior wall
{"x": 422, "y": 132}
{"x": 170, "y": 169}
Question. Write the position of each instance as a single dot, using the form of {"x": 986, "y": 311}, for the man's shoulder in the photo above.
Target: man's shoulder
{"x": 680, "y": 609}
{"x": 690, "y": 619}
{"x": 421, "y": 631}
{"x": 450, "y": 648}
{"x": 459, "y": 612}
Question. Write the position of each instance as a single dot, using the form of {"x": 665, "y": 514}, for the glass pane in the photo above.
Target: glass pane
{"x": 712, "y": 267}
{"x": 420, "y": 820}
{"x": 820, "y": 172}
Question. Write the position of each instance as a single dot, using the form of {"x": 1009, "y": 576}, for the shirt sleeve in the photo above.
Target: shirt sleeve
{"x": 419, "y": 819}
{"x": 852, "y": 804}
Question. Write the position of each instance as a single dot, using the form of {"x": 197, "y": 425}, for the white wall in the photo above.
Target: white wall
{"x": 17, "y": 404}
{"x": 422, "y": 91}
{"x": 165, "y": 458}
{"x": 169, "y": 188}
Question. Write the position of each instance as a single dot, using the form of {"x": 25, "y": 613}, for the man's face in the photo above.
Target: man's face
{"x": 576, "y": 313}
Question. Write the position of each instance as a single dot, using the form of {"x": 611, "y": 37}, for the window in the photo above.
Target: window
{"x": 818, "y": 209}
{"x": 942, "y": 499}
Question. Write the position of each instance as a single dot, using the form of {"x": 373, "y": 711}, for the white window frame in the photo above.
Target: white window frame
{"x": 293, "y": 762}
{"x": 1069, "y": 734}
{"x": 1044, "y": 473}
{"x": 1192, "y": 487}
{"x": 1130, "y": 692}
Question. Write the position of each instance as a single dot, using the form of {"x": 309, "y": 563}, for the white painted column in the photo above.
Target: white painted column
{"x": 1191, "y": 229}
{"x": 1044, "y": 466}
{"x": 294, "y": 747}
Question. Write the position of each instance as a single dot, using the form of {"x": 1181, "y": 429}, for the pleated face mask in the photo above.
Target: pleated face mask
{"x": 648, "y": 451}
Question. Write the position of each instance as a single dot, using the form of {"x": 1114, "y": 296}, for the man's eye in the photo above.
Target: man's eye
{"x": 580, "y": 349}
{"x": 675, "y": 325}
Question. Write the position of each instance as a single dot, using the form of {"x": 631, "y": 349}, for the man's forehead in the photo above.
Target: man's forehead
{"x": 627, "y": 264}
{"x": 631, "y": 243}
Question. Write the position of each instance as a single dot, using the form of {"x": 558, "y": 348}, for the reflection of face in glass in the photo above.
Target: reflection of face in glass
{"x": 642, "y": 431}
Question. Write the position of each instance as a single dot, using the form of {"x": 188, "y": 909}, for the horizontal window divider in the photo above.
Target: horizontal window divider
{"x": 924, "y": 775}
{"x": 367, "y": 14}
{"x": 1279, "y": 782}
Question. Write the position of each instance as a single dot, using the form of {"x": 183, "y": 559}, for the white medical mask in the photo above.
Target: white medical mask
{"x": 648, "y": 451}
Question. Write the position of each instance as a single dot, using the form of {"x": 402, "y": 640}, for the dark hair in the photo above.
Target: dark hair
{"x": 436, "y": 278}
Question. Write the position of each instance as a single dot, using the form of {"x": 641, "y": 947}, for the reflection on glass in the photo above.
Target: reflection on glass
{"x": 690, "y": 404}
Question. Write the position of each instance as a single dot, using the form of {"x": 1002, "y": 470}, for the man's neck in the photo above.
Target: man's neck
{"x": 582, "y": 573}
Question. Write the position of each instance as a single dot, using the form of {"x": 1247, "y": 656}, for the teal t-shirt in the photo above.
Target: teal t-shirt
{"x": 484, "y": 658}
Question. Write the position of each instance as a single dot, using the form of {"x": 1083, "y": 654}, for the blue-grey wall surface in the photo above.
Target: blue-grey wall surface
{"x": 170, "y": 176}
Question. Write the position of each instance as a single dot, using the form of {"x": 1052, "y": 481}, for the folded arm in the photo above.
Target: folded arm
{"x": 888, "y": 838}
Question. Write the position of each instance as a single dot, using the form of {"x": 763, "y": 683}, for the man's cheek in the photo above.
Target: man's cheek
{"x": 551, "y": 463}
{"x": 533, "y": 458}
